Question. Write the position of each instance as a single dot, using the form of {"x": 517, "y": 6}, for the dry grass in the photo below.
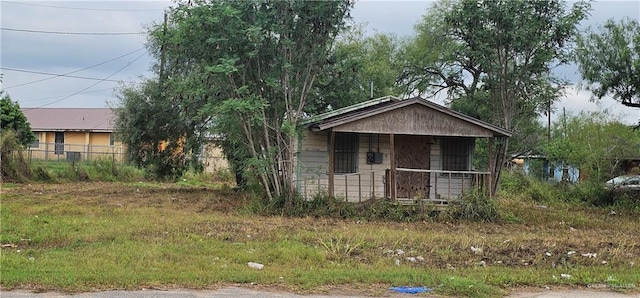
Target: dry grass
{"x": 90, "y": 236}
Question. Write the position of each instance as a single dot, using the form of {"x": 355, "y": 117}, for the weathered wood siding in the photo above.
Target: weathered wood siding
{"x": 312, "y": 173}
{"x": 415, "y": 120}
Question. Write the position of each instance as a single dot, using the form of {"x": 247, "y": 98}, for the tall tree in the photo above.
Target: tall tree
{"x": 495, "y": 54}
{"x": 359, "y": 68}
{"x": 609, "y": 60}
{"x": 245, "y": 70}
{"x": 12, "y": 119}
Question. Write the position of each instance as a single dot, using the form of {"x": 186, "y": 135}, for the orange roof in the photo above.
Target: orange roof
{"x": 74, "y": 119}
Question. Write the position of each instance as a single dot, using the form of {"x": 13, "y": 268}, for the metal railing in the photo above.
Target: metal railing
{"x": 75, "y": 152}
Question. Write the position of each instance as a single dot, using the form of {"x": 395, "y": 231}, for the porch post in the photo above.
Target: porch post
{"x": 332, "y": 142}
{"x": 392, "y": 162}
{"x": 492, "y": 167}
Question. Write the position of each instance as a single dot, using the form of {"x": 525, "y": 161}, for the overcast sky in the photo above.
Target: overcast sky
{"x": 114, "y": 58}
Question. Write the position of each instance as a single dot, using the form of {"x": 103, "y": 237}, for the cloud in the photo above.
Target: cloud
{"x": 576, "y": 101}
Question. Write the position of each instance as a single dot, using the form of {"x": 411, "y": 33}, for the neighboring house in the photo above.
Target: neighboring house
{"x": 73, "y": 133}
{"x": 391, "y": 148}
{"x": 87, "y": 134}
{"x": 548, "y": 170}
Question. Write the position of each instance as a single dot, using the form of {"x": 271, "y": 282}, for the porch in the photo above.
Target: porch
{"x": 446, "y": 186}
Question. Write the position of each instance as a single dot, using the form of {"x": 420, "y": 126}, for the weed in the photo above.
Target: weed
{"x": 339, "y": 248}
{"x": 473, "y": 206}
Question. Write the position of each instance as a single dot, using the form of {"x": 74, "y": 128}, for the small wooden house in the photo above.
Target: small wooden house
{"x": 391, "y": 148}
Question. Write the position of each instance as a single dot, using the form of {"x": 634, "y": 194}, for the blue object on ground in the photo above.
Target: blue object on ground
{"x": 411, "y": 290}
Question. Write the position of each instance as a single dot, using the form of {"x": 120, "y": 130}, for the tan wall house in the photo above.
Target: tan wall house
{"x": 73, "y": 134}
{"x": 88, "y": 134}
{"x": 391, "y": 148}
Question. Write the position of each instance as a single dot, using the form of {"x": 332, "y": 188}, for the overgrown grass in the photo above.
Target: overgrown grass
{"x": 93, "y": 236}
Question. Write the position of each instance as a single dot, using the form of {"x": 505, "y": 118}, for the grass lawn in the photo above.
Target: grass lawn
{"x": 95, "y": 236}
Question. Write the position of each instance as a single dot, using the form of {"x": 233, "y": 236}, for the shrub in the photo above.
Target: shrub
{"x": 14, "y": 167}
{"x": 473, "y": 206}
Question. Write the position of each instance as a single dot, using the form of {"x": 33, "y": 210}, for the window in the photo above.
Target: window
{"x": 36, "y": 143}
{"x": 456, "y": 153}
{"x": 112, "y": 139}
{"x": 345, "y": 154}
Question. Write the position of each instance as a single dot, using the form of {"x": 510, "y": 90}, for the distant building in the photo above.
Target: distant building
{"x": 73, "y": 133}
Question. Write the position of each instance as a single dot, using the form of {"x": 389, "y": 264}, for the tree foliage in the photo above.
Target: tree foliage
{"x": 242, "y": 71}
{"x": 12, "y": 119}
{"x": 155, "y": 124}
{"x": 493, "y": 58}
{"x": 358, "y": 63}
{"x": 609, "y": 60}
{"x": 595, "y": 142}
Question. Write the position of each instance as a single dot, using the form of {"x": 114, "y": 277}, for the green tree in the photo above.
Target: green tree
{"x": 12, "y": 119}
{"x": 357, "y": 64}
{"x": 609, "y": 60}
{"x": 596, "y": 142}
{"x": 497, "y": 56}
{"x": 161, "y": 133}
{"x": 244, "y": 70}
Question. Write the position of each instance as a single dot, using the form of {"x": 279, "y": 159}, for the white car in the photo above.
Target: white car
{"x": 625, "y": 181}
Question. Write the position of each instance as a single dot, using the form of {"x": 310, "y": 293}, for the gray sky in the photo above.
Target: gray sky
{"x": 56, "y": 53}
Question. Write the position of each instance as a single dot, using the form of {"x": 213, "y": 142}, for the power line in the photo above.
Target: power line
{"x": 79, "y": 70}
{"x": 55, "y": 74}
{"x": 80, "y": 8}
{"x": 70, "y": 33}
{"x": 96, "y": 83}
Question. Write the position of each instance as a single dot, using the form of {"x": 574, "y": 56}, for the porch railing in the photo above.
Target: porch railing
{"x": 361, "y": 186}
{"x": 456, "y": 181}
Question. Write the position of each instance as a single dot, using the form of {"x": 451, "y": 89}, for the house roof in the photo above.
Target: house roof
{"x": 387, "y": 104}
{"x": 70, "y": 119}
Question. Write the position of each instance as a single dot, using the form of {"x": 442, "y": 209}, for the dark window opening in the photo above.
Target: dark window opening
{"x": 456, "y": 153}
{"x": 345, "y": 158}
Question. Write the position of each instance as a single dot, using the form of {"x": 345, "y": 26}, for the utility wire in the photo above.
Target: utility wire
{"x": 55, "y": 74}
{"x": 79, "y": 8}
{"x": 85, "y": 89}
{"x": 70, "y": 33}
{"x": 79, "y": 70}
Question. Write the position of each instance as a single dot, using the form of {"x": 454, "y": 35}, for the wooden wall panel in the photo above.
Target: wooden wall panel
{"x": 415, "y": 120}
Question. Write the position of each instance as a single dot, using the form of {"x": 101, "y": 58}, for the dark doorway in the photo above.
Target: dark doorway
{"x": 59, "y": 148}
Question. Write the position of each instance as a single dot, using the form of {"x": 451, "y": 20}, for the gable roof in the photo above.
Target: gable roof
{"x": 377, "y": 107}
{"x": 71, "y": 119}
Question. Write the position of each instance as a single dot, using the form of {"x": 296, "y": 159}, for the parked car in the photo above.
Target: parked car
{"x": 625, "y": 182}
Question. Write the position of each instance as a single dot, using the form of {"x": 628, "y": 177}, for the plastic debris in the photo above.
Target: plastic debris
{"x": 590, "y": 255}
{"x": 476, "y": 250}
{"x": 255, "y": 265}
{"x": 410, "y": 259}
{"x": 565, "y": 276}
{"x": 411, "y": 290}
{"x": 548, "y": 254}
{"x": 571, "y": 252}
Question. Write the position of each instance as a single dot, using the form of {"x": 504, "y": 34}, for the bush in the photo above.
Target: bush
{"x": 473, "y": 206}
{"x": 14, "y": 167}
